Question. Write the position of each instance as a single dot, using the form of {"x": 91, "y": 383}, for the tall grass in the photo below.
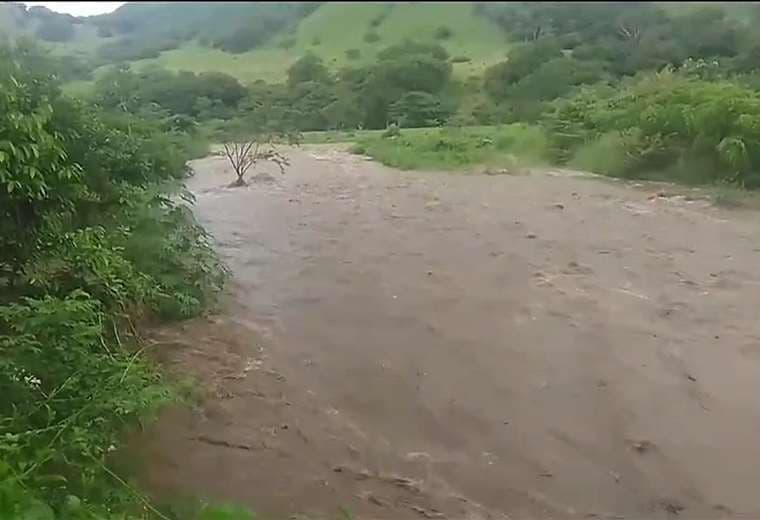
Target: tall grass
{"x": 604, "y": 155}
{"x": 452, "y": 148}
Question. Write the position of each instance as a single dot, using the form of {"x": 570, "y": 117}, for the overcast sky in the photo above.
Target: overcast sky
{"x": 79, "y": 8}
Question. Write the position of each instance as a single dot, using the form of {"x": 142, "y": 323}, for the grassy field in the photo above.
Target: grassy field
{"x": 329, "y": 32}
{"x": 504, "y": 148}
{"x": 353, "y": 136}
{"x": 340, "y": 27}
{"x": 335, "y": 28}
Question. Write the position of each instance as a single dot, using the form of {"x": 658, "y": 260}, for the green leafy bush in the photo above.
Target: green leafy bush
{"x": 418, "y": 109}
{"x": 70, "y": 393}
{"x": 659, "y": 120}
{"x": 178, "y": 93}
{"x": 91, "y": 242}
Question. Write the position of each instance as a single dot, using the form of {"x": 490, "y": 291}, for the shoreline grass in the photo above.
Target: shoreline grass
{"x": 510, "y": 149}
{"x": 494, "y": 148}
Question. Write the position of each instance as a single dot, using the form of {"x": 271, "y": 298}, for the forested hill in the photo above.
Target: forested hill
{"x": 256, "y": 40}
{"x": 259, "y": 40}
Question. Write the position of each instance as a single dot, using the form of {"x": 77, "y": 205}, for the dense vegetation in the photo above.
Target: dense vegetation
{"x": 621, "y": 88}
{"x": 178, "y": 96}
{"x": 669, "y": 125}
{"x": 563, "y": 45}
{"x": 410, "y": 83}
{"x": 95, "y": 239}
{"x": 619, "y": 37}
{"x": 614, "y": 88}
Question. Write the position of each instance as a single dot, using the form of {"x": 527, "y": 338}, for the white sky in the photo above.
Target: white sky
{"x": 78, "y": 8}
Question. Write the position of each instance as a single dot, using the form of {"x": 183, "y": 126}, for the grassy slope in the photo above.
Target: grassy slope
{"x": 83, "y": 44}
{"x": 329, "y": 32}
{"x": 334, "y": 28}
{"x": 474, "y": 36}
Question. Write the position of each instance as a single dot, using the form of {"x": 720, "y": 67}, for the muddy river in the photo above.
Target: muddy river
{"x": 434, "y": 345}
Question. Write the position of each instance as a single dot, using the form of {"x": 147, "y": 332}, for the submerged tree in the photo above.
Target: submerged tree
{"x": 243, "y": 155}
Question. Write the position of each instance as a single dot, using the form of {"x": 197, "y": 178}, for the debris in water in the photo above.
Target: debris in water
{"x": 372, "y": 499}
{"x": 405, "y": 483}
{"x": 432, "y": 513}
{"x": 276, "y": 375}
{"x": 415, "y": 455}
{"x": 723, "y": 509}
{"x": 671, "y": 507}
{"x": 642, "y": 446}
{"x": 224, "y": 443}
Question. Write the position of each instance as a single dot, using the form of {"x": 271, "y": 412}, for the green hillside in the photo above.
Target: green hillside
{"x": 337, "y": 32}
{"x": 335, "y": 28}
{"x": 260, "y": 40}
{"x": 314, "y": 66}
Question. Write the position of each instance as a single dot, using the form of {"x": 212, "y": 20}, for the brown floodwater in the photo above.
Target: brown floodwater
{"x": 441, "y": 345}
